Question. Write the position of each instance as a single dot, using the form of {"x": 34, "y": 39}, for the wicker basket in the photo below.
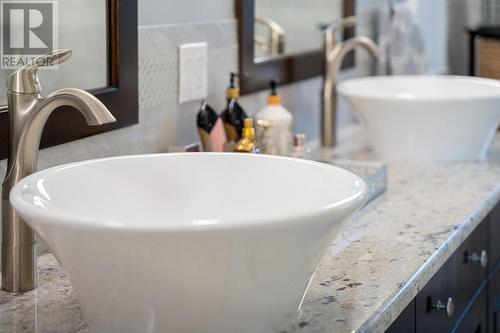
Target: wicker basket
{"x": 489, "y": 57}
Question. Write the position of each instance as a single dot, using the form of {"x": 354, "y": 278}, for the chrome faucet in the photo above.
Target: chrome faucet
{"x": 28, "y": 113}
{"x": 335, "y": 53}
{"x": 273, "y": 45}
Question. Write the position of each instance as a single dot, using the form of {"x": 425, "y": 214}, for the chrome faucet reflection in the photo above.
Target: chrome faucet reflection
{"x": 274, "y": 44}
{"x": 335, "y": 53}
{"x": 28, "y": 113}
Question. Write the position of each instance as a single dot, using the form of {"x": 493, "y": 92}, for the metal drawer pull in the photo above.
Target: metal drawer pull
{"x": 475, "y": 258}
{"x": 449, "y": 306}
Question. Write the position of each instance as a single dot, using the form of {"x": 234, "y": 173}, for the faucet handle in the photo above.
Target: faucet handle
{"x": 331, "y": 30}
{"x": 25, "y": 79}
{"x": 49, "y": 59}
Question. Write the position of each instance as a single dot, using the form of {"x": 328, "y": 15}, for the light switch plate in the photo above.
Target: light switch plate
{"x": 193, "y": 72}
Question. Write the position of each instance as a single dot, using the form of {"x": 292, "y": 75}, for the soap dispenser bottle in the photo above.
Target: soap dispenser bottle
{"x": 234, "y": 115}
{"x": 247, "y": 142}
{"x": 210, "y": 129}
{"x": 274, "y": 126}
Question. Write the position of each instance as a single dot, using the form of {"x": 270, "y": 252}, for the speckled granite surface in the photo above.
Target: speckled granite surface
{"x": 373, "y": 270}
{"x": 51, "y": 308}
{"x": 396, "y": 244}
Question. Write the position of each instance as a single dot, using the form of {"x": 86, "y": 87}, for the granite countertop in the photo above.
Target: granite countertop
{"x": 392, "y": 247}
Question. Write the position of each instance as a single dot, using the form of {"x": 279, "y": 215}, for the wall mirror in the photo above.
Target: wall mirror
{"x": 88, "y": 65}
{"x": 103, "y": 37}
{"x": 283, "y": 39}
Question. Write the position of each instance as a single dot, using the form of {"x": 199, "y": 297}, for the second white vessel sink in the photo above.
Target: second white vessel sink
{"x": 433, "y": 118}
{"x": 212, "y": 243}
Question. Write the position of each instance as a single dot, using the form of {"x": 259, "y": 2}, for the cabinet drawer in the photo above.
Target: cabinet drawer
{"x": 494, "y": 235}
{"x": 475, "y": 320}
{"x": 454, "y": 285}
{"x": 405, "y": 323}
{"x": 494, "y": 300}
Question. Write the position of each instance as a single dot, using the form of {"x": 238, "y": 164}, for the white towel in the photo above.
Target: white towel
{"x": 401, "y": 42}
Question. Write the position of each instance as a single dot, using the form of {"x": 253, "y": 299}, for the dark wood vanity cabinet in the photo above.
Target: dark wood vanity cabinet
{"x": 494, "y": 301}
{"x": 474, "y": 319}
{"x": 464, "y": 295}
{"x": 494, "y": 235}
{"x": 494, "y": 277}
{"x": 405, "y": 321}
{"x": 443, "y": 300}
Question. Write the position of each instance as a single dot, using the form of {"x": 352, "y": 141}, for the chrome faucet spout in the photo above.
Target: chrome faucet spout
{"x": 25, "y": 153}
{"x": 90, "y": 107}
{"x": 28, "y": 114}
{"x": 335, "y": 53}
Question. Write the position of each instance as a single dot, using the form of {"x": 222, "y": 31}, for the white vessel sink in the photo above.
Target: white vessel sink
{"x": 434, "y": 118}
{"x": 196, "y": 242}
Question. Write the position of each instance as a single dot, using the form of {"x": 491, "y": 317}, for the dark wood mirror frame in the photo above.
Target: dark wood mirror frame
{"x": 120, "y": 96}
{"x": 287, "y": 68}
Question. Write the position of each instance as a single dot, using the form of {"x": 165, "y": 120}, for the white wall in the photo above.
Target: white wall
{"x": 443, "y": 24}
{"x": 432, "y": 17}
{"x": 154, "y": 12}
{"x": 461, "y": 14}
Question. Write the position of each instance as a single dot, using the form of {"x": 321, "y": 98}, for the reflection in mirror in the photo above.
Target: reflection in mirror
{"x": 274, "y": 43}
{"x": 82, "y": 27}
{"x": 288, "y": 27}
